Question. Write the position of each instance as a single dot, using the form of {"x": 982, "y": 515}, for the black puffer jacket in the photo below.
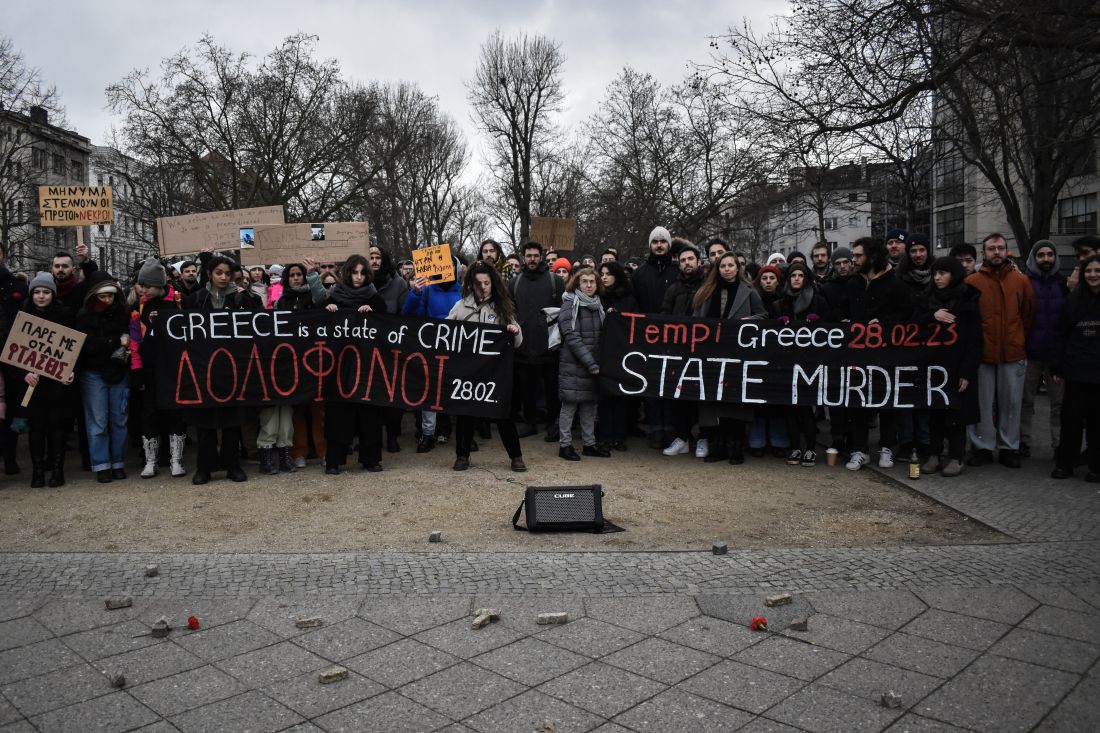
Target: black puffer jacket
{"x": 886, "y": 298}
{"x": 103, "y": 331}
{"x": 1077, "y": 349}
{"x": 579, "y": 346}
{"x": 652, "y": 279}
{"x": 680, "y": 294}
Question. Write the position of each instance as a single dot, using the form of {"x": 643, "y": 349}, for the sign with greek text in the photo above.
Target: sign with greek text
{"x": 43, "y": 347}
{"x": 286, "y": 243}
{"x": 434, "y": 264}
{"x": 233, "y": 229}
{"x": 75, "y": 206}
{"x": 872, "y": 365}
{"x": 209, "y": 359}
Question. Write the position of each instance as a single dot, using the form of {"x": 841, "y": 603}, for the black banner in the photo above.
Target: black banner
{"x": 767, "y": 362}
{"x": 210, "y": 359}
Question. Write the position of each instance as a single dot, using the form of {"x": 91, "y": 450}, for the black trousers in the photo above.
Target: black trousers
{"x": 535, "y": 381}
{"x": 887, "y": 429}
{"x": 391, "y": 417}
{"x": 945, "y": 425}
{"x": 801, "y": 423}
{"x": 1080, "y": 413}
{"x": 344, "y": 421}
{"x": 464, "y": 436}
{"x": 611, "y": 415}
{"x": 209, "y": 460}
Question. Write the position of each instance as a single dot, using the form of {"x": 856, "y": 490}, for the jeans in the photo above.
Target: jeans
{"x": 1000, "y": 389}
{"x": 768, "y": 428}
{"x": 105, "y": 409}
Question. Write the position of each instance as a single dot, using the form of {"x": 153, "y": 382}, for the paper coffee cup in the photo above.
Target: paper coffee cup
{"x": 831, "y": 456}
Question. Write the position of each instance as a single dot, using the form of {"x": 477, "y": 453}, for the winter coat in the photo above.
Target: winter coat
{"x": 968, "y": 325}
{"x": 678, "y": 297}
{"x": 432, "y": 301}
{"x": 652, "y": 279}
{"x": 835, "y": 293}
{"x": 817, "y": 307}
{"x": 580, "y": 343}
{"x": 468, "y": 309}
{"x": 103, "y": 337}
{"x": 1077, "y": 346}
{"x": 746, "y": 305}
{"x": 73, "y": 298}
{"x": 531, "y": 292}
{"x": 274, "y": 293}
{"x": 143, "y": 316}
{"x": 620, "y": 301}
{"x": 1050, "y": 301}
{"x": 393, "y": 289}
{"x": 1008, "y": 312}
{"x": 49, "y": 394}
{"x": 236, "y": 300}
{"x": 313, "y": 296}
{"x": 885, "y": 298}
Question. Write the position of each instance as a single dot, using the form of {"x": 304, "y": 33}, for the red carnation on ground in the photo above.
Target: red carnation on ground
{"x": 759, "y": 623}
{"x": 193, "y": 623}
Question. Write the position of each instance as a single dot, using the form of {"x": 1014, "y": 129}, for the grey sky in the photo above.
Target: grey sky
{"x": 81, "y": 47}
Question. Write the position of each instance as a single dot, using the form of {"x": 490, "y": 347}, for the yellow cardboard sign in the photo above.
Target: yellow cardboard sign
{"x": 75, "y": 206}
{"x": 434, "y": 264}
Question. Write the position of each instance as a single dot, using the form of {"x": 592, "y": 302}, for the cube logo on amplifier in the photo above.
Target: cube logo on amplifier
{"x": 562, "y": 508}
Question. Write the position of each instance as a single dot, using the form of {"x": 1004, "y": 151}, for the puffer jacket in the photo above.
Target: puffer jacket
{"x": 468, "y": 309}
{"x": 652, "y": 279}
{"x": 1008, "y": 312}
{"x": 579, "y": 346}
{"x": 1050, "y": 301}
{"x": 680, "y": 294}
{"x": 433, "y": 301}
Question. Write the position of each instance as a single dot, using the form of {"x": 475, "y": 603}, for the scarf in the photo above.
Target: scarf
{"x": 727, "y": 292}
{"x": 64, "y": 287}
{"x": 580, "y": 300}
{"x": 346, "y": 296}
{"x": 802, "y": 299}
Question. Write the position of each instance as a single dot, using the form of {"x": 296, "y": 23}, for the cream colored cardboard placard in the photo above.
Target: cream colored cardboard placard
{"x": 559, "y": 235}
{"x": 43, "y": 347}
{"x": 233, "y": 229}
{"x": 75, "y": 206}
{"x": 325, "y": 242}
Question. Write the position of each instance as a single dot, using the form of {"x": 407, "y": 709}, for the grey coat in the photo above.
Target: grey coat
{"x": 579, "y": 347}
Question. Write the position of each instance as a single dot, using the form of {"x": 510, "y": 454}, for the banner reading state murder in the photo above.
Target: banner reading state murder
{"x": 242, "y": 358}
{"x": 875, "y": 365}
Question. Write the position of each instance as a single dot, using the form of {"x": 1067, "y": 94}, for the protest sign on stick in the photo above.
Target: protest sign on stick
{"x": 328, "y": 242}
{"x": 434, "y": 264}
{"x": 42, "y": 347}
{"x": 75, "y": 206}
{"x": 559, "y": 235}
{"x": 233, "y": 229}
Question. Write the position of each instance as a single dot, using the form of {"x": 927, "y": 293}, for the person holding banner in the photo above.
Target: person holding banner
{"x": 303, "y": 288}
{"x": 220, "y": 293}
{"x": 769, "y": 425}
{"x": 485, "y": 299}
{"x": 346, "y": 420}
{"x": 949, "y": 299}
{"x": 801, "y": 301}
{"x": 617, "y": 297}
{"x": 104, "y": 366}
{"x": 650, "y": 281}
{"x": 150, "y": 296}
{"x": 1077, "y": 355}
{"x": 726, "y": 294}
{"x": 52, "y": 406}
{"x": 581, "y": 323}
{"x": 393, "y": 289}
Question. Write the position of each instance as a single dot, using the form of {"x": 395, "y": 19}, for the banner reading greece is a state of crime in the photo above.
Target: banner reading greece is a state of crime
{"x": 245, "y": 358}
{"x": 755, "y": 362}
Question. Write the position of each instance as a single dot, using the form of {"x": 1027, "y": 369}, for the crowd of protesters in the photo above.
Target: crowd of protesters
{"x": 1024, "y": 326}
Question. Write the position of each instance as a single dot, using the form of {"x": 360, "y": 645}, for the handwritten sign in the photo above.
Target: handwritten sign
{"x": 556, "y": 234}
{"x": 43, "y": 347}
{"x": 190, "y": 233}
{"x": 434, "y": 264}
{"x": 75, "y": 206}
{"x": 329, "y": 242}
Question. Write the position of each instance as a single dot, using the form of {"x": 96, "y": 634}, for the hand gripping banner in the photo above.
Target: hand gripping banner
{"x": 873, "y": 365}
{"x": 258, "y": 358}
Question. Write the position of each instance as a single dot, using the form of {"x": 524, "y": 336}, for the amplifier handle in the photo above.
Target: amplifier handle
{"x": 515, "y": 518}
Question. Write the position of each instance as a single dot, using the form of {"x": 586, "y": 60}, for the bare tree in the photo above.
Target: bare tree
{"x": 515, "y": 93}
{"x": 21, "y": 88}
{"x": 1016, "y": 83}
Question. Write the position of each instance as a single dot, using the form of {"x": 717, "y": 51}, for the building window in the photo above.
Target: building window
{"x": 949, "y": 181}
{"x": 1077, "y": 215}
{"x": 853, "y": 197}
{"x": 853, "y": 221}
{"x": 99, "y": 179}
{"x": 950, "y": 227}
{"x": 830, "y": 223}
{"x": 59, "y": 164}
{"x": 832, "y": 246}
{"x": 869, "y": 222}
{"x": 77, "y": 169}
{"x": 38, "y": 157}
{"x": 102, "y": 228}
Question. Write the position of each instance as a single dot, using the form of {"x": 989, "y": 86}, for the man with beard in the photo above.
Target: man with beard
{"x": 915, "y": 269}
{"x": 914, "y": 435}
{"x": 650, "y": 281}
{"x": 896, "y": 241}
{"x": 678, "y": 302}
{"x": 536, "y": 370}
{"x": 72, "y": 284}
{"x": 835, "y": 289}
{"x": 875, "y": 294}
{"x": 1050, "y": 301}
{"x": 1008, "y": 312}
{"x": 189, "y": 278}
{"x": 819, "y": 257}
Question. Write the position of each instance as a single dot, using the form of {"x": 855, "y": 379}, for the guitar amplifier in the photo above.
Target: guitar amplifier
{"x": 562, "y": 508}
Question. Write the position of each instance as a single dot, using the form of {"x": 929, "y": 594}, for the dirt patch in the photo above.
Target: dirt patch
{"x": 664, "y": 503}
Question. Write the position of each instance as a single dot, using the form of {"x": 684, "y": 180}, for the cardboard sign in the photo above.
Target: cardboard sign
{"x": 328, "y": 242}
{"x": 43, "y": 347}
{"x": 233, "y": 229}
{"x": 434, "y": 264}
{"x": 559, "y": 235}
{"x": 75, "y": 206}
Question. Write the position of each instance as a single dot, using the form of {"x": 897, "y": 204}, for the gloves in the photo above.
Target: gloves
{"x": 122, "y": 353}
{"x": 812, "y": 318}
{"x": 784, "y": 320}
{"x": 19, "y": 425}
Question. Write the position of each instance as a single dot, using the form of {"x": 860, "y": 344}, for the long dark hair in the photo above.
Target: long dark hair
{"x": 622, "y": 285}
{"x": 349, "y": 267}
{"x": 500, "y": 298}
{"x": 710, "y": 285}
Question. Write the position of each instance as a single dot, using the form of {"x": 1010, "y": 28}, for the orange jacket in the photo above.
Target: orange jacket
{"x": 1008, "y": 310}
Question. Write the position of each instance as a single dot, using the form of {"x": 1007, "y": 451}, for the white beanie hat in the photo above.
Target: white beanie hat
{"x": 660, "y": 233}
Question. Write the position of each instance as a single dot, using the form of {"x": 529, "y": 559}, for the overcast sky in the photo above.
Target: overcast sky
{"x": 84, "y": 46}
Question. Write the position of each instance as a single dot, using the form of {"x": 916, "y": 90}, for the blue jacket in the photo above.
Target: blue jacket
{"x": 1050, "y": 302}
{"x": 434, "y": 301}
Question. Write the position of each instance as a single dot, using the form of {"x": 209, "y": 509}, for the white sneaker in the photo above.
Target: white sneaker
{"x": 300, "y": 462}
{"x": 857, "y": 461}
{"x": 885, "y": 458}
{"x": 702, "y": 448}
{"x": 678, "y": 448}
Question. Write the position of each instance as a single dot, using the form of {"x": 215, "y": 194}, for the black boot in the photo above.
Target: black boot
{"x": 286, "y": 464}
{"x": 267, "y": 462}
{"x": 737, "y": 453}
{"x": 38, "y": 474}
{"x": 719, "y": 451}
{"x": 57, "y": 477}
